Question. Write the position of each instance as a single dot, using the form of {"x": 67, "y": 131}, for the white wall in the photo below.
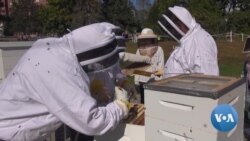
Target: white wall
{"x": 10, "y": 53}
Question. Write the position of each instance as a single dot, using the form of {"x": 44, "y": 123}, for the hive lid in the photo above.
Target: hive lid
{"x": 196, "y": 85}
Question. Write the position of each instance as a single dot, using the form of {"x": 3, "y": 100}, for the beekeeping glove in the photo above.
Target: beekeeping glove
{"x": 159, "y": 72}
{"x": 123, "y": 82}
{"x": 121, "y": 99}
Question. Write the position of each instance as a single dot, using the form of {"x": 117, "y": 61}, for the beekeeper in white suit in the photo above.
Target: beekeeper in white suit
{"x": 50, "y": 86}
{"x": 126, "y": 56}
{"x": 148, "y": 47}
{"x": 196, "y": 51}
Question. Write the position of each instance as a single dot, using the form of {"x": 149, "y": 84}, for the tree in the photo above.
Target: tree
{"x": 243, "y": 5}
{"x": 121, "y": 13}
{"x": 236, "y": 13}
{"x": 230, "y": 5}
{"x": 86, "y": 12}
{"x": 208, "y": 14}
{"x": 238, "y": 21}
{"x": 1, "y": 18}
{"x": 57, "y": 16}
{"x": 1, "y": 5}
{"x": 159, "y": 7}
{"x": 152, "y": 19}
{"x": 24, "y": 17}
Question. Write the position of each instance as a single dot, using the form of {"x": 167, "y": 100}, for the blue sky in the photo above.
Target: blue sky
{"x": 137, "y": 3}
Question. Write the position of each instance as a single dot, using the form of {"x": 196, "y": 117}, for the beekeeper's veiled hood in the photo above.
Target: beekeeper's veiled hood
{"x": 92, "y": 43}
{"x": 121, "y": 45}
{"x": 177, "y": 22}
{"x": 95, "y": 47}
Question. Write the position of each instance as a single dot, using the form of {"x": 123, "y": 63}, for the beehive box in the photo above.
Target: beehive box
{"x": 131, "y": 129}
{"x": 179, "y": 108}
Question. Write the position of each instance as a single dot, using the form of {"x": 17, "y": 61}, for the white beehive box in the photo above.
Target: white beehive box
{"x": 179, "y": 108}
{"x": 124, "y": 132}
{"x": 131, "y": 129}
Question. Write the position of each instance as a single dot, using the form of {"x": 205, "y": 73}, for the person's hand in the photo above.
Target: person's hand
{"x": 121, "y": 94}
{"x": 121, "y": 99}
{"x": 159, "y": 72}
{"x": 124, "y": 83}
{"x": 121, "y": 55}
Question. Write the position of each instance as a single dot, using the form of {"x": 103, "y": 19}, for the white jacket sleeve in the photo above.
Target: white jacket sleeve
{"x": 72, "y": 104}
{"x": 63, "y": 88}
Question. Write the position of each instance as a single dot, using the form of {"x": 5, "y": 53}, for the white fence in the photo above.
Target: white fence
{"x": 228, "y": 36}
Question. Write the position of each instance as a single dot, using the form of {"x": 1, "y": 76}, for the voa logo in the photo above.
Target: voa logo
{"x": 224, "y": 117}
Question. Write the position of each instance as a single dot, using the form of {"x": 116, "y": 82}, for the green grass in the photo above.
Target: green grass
{"x": 228, "y": 69}
{"x": 230, "y": 56}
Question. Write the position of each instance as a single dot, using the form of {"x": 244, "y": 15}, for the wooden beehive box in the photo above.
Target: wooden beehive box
{"x": 136, "y": 115}
{"x": 197, "y": 85}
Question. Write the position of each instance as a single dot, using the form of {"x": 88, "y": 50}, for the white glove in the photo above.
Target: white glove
{"x": 121, "y": 97}
{"x": 121, "y": 55}
{"x": 121, "y": 94}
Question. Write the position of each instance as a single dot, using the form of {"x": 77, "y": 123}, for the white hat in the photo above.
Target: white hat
{"x": 147, "y": 33}
{"x": 93, "y": 43}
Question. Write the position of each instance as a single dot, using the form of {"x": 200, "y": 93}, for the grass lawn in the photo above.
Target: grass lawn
{"x": 230, "y": 56}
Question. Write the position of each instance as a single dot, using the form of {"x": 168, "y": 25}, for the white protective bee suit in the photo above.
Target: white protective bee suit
{"x": 197, "y": 50}
{"x": 154, "y": 52}
{"x": 48, "y": 86}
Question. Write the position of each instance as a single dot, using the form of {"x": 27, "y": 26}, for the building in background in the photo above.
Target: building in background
{"x": 8, "y": 4}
